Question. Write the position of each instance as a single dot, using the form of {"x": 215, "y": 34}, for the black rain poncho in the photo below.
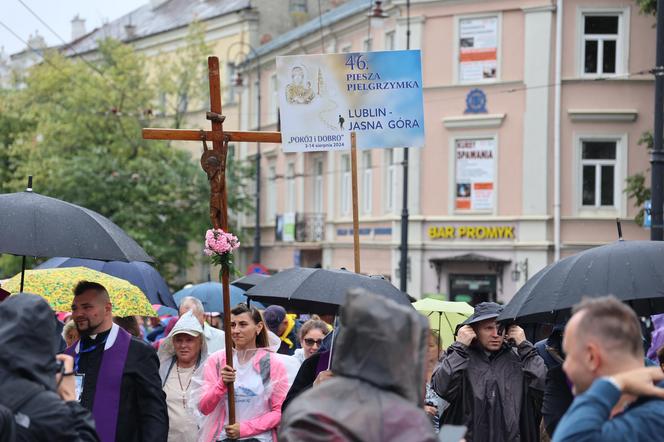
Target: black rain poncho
{"x": 497, "y": 396}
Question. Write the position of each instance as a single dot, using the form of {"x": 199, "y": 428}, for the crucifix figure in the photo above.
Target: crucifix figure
{"x": 213, "y": 162}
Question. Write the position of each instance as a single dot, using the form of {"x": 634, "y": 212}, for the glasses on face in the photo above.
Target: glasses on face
{"x": 310, "y": 342}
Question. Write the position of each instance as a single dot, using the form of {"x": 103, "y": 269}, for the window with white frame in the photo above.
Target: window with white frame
{"x": 345, "y": 196}
{"x": 602, "y": 43}
{"x": 599, "y": 170}
{"x": 318, "y": 185}
{"x": 290, "y": 187}
{"x": 390, "y": 180}
{"x": 477, "y": 49}
{"x": 367, "y": 182}
{"x": 271, "y": 203}
{"x": 389, "y": 41}
{"x": 367, "y": 44}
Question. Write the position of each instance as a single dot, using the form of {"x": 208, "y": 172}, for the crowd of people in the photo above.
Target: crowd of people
{"x": 378, "y": 373}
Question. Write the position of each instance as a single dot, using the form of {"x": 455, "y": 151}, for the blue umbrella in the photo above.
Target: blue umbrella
{"x": 166, "y": 311}
{"x": 141, "y": 274}
{"x": 209, "y": 293}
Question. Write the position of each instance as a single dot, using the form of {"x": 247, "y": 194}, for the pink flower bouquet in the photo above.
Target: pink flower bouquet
{"x": 220, "y": 245}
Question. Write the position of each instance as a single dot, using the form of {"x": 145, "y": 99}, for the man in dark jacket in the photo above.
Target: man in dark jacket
{"x": 118, "y": 374}
{"x": 43, "y": 408}
{"x": 494, "y": 387}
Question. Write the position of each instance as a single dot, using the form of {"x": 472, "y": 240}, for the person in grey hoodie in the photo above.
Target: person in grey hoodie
{"x": 373, "y": 394}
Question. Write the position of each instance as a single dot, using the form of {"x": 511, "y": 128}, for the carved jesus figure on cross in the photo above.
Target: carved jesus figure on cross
{"x": 213, "y": 162}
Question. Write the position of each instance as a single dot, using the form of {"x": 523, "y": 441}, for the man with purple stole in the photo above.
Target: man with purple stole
{"x": 117, "y": 376}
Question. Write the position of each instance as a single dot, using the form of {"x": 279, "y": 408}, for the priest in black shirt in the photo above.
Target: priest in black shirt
{"x": 117, "y": 376}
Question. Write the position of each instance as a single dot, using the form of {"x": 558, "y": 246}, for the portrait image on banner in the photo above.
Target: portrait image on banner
{"x": 478, "y": 49}
{"x": 325, "y": 97}
{"x": 475, "y": 172}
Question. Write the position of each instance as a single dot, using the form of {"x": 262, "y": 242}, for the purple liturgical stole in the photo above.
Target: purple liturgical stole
{"x": 106, "y": 404}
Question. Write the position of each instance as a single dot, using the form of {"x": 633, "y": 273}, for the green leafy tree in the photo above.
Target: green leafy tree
{"x": 182, "y": 80}
{"x": 635, "y": 185}
{"x": 78, "y": 132}
{"x": 647, "y": 6}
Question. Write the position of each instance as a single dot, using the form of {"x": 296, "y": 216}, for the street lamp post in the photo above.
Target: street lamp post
{"x": 238, "y": 82}
{"x": 657, "y": 154}
{"x": 403, "y": 265}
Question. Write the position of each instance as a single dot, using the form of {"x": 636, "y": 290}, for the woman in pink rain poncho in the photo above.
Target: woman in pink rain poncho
{"x": 260, "y": 384}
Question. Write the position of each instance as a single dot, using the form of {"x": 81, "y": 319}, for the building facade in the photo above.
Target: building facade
{"x": 530, "y": 135}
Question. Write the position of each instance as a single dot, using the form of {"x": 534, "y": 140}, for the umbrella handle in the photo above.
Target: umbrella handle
{"x": 620, "y": 236}
{"x": 23, "y": 267}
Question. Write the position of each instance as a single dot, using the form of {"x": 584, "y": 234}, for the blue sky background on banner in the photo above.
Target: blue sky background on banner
{"x": 405, "y": 104}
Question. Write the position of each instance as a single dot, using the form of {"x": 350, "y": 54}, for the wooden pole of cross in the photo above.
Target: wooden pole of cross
{"x": 213, "y": 162}
{"x": 356, "y": 218}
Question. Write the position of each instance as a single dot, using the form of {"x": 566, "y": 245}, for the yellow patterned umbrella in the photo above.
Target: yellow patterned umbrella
{"x": 57, "y": 287}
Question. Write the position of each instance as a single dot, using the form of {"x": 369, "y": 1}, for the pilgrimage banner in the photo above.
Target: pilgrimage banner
{"x": 325, "y": 97}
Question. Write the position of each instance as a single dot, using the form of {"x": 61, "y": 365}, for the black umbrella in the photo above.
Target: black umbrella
{"x": 319, "y": 290}
{"x": 630, "y": 270}
{"x": 35, "y": 225}
{"x": 250, "y": 280}
{"x": 141, "y": 274}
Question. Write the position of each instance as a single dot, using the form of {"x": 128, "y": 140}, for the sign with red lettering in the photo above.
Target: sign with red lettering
{"x": 475, "y": 170}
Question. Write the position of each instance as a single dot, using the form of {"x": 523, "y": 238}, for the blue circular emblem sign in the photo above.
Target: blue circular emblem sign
{"x": 475, "y": 102}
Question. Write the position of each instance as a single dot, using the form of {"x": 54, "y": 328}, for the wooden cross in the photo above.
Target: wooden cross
{"x": 213, "y": 162}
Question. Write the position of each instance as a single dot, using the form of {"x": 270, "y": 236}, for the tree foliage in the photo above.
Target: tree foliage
{"x": 77, "y": 130}
{"x": 635, "y": 185}
{"x": 647, "y": 6}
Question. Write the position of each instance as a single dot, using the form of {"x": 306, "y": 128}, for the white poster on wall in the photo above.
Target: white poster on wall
{"x": 289, "y": 227}
{"x": 478, "y": 49}
{"x": 475, "y": 174}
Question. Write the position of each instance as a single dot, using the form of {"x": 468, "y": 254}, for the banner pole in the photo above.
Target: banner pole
{"x": 356, "y": 222}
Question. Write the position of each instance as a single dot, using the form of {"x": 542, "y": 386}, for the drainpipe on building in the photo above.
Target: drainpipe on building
{"x": 556, "y": 131}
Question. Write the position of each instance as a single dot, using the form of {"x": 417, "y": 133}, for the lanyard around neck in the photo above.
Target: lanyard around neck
{"x": 92, "y": 348}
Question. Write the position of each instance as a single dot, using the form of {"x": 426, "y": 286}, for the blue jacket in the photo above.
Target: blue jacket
{"x": 588, "y": 417}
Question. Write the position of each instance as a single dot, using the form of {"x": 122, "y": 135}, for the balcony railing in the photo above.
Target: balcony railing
{"x": 308, "y": 227}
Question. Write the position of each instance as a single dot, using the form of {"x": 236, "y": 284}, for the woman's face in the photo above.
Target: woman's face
{"x": 433, "y": 350}
{"x": 187, "y": 347}
{"x": 312, "y": 341}
{"x": 244, "y": 331}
